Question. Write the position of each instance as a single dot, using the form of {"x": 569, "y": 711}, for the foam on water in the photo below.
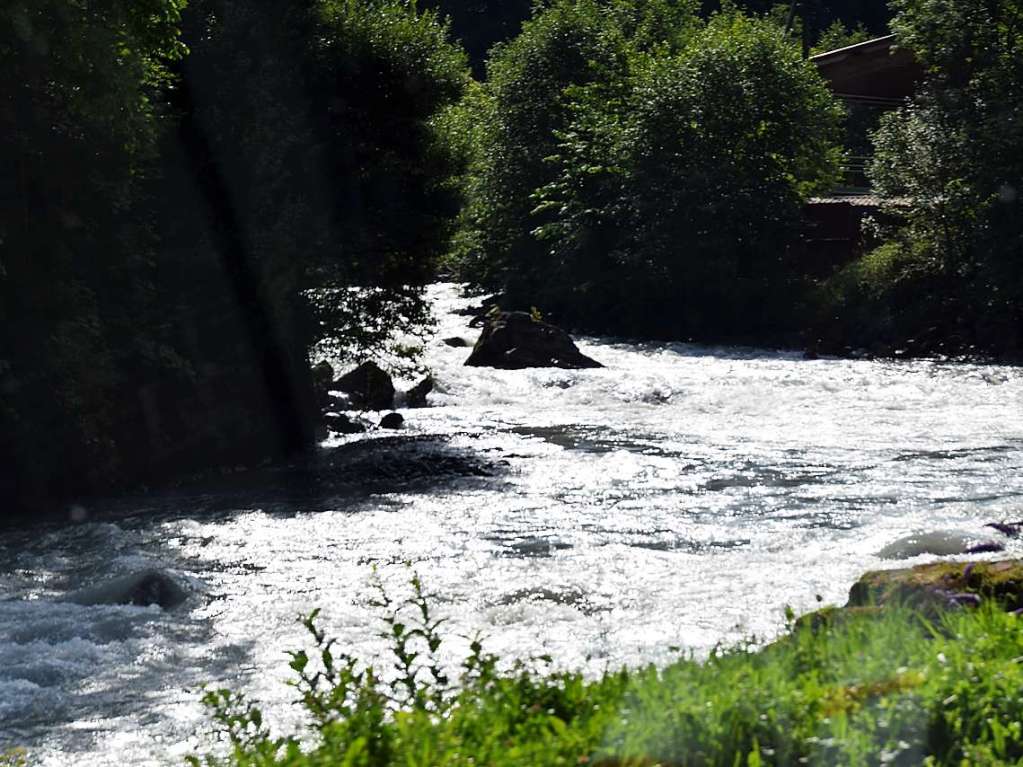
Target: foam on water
{"x": 680, "y": 497}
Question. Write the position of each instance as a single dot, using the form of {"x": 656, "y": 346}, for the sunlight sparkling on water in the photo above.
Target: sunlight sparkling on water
{"x": 678, "y": 498}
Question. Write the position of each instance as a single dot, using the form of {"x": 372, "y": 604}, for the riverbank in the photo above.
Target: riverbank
{"x": 880, "y": 686}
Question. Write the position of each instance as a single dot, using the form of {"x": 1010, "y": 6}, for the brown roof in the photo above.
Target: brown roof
{"x": 875, "y": 70}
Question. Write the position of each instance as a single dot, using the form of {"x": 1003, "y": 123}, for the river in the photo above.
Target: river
{"x": 677, "y": 499}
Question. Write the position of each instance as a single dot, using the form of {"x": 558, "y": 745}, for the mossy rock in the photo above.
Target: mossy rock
{"x": 942, "y": 584}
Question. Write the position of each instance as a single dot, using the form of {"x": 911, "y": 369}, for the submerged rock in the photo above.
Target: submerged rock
{"x": 397, "y": 458}
{"x": 416, "y": 396}
{"x": 457, "y": 342}
{"x": 514, "y": 340}
{"x": 149, "y": 587}
{"x": 939, "y": 543}
{"x": 368, "y": 386}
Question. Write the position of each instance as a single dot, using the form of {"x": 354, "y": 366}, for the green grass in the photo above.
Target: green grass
{"x": 875, "y": 688}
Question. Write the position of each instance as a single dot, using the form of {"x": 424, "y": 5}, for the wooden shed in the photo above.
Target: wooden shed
{"x": 872, "y": 78}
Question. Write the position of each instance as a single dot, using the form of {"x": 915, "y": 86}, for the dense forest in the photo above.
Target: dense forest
{"x": 191, "y": 191}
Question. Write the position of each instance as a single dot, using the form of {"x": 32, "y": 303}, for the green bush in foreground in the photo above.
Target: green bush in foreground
{"x": 871, "y": 688}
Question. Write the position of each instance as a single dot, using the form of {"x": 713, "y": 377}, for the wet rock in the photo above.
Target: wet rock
{"x": 149, "y": 587}
{"x": 416, "y": 396}
{"x": 369, "y": 387}
{"x": 514, "y": 340}
{"x": 1009, "y": 529}
{"x": 987, "y": 547}
{"x": 485, "y": 306}
{"x": 457, "y": 342}
{"x": 337, "y": 401}
{"x": 323, "y": 376}
{"x": 939, "y": 543}
{"x": 343, "y": 424}
{"x": 943, "y": 584}
{"x": 392, "y": 421}
{"x": 401, "y": 459}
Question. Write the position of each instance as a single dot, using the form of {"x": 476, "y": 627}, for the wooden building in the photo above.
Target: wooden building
{"x": 872, "y": 78}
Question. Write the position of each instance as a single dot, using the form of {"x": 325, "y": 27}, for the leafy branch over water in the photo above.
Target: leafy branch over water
{"x": 873, "y": 688}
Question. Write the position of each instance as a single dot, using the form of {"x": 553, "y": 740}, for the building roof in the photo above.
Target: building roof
{"x": 873, "y": 71}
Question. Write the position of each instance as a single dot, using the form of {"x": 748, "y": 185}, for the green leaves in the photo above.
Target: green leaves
{"x": 858, "y": 688}
{"x": 677, "y": 182}
{"x": 946, "y": 166}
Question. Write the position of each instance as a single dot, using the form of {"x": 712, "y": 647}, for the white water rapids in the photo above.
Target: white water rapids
{"x": 678, "y": 498}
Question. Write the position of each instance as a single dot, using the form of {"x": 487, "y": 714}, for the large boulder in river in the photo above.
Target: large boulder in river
{"x": 515, "y": 340}
{"x": 148, "y": 587}
{"x": 369, "y": 387}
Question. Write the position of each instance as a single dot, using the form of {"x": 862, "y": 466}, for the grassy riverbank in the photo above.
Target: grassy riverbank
{"x": 888, "y": 687}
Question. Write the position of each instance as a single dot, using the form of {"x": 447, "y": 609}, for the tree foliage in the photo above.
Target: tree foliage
{"x": 168, "y": 220}
{"x": 350, "y": 189}
{"x": 949, "y": 166}
{"x": 79, "y": 126}
{"x": 514, "y": 123}
{"x": 660, "y": 199}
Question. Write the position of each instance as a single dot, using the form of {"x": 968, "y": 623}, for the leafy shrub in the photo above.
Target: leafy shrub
{"x": 886, "y": 688}
{"x": 949, "y": 166}
{"x": 679, "y": 189}
{"x": 80, "y": 130}
{"x": 515, "y": 121}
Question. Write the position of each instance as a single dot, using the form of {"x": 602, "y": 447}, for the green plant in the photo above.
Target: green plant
{"x": 949, "y": 165}
{"x": 679, "y": 186}
{"x": 14, "y": 757}
{"x": 881, "y": 687}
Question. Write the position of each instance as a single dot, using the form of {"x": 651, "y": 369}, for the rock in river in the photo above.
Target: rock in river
{"x": 148, "y": 587}
{"x": 369, "y": 387}
{"x": 1010, "y": 529}
{"x": 515, "y": 340}
{"x": 392, "y": 421}
{"x": 939, "y": 543}
{"x": 342, "y": 424}
{"x": 416, "y": 396}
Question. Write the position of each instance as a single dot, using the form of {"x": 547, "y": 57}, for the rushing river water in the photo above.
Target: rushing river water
{"x": 678, "y": 498}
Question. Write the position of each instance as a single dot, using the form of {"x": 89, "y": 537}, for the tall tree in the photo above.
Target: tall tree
{"x": 677, "y": 195}
{"x": 79, "y": 128}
